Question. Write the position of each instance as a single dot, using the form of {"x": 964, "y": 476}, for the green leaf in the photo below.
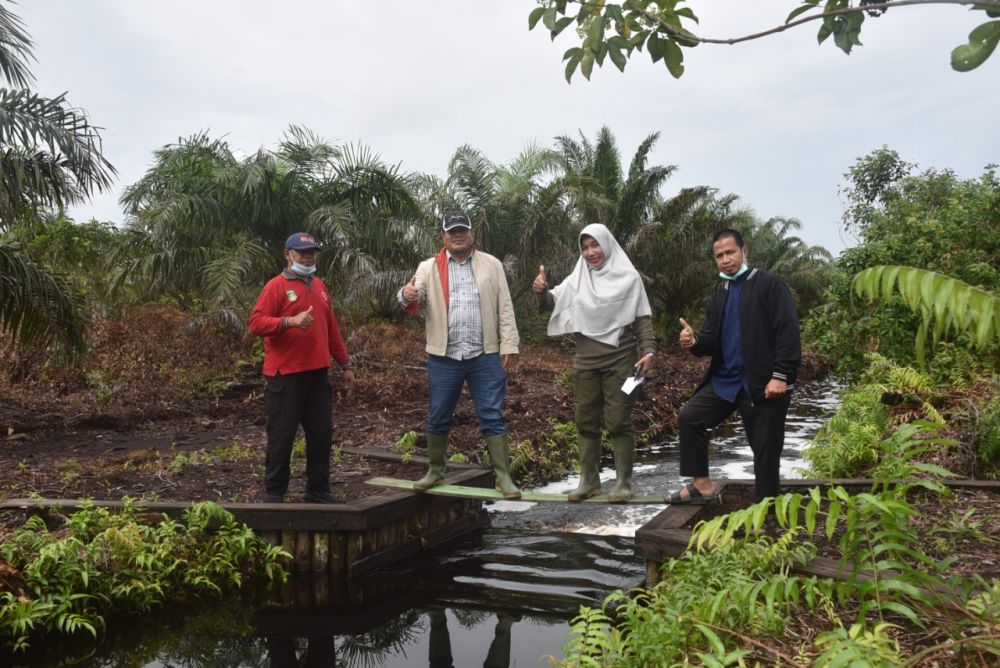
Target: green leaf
{"x": 596, "y": 32}
{"x": 688, "y": 13}
{"x": 712, "y": 639}
{"x": 549, "y": 18}
{"x": 572, "y": 64}
{"x": 653, "y": 46}
{"x": 794, "y": 13}
{"x": 825, "y": 31}
{"x": 982, "y": 42}
{"x": 811, "y": 510}
{"x": 534, "y": 17}
{"x": 673, "y": 56}
{"x": 617, "y": 57}
{"x": 832, "y": 515}
{"x": 587, "y": 63}
{"x": 561, "y": 25}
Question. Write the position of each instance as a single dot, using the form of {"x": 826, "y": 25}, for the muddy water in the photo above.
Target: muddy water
{"x": 503, "y": 599}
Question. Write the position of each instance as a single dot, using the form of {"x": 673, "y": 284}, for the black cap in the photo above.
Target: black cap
{"x": 455, "y": 219}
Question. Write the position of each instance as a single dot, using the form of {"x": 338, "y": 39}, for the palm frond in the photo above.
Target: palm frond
{"x": 15, "y": 50}
{"x": 37, "y": 306}
{"x": 944, "y": 304}
{"x": 30, "y": 121}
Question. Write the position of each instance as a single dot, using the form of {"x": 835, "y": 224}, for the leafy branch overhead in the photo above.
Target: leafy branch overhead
{"x": 615, "y": 31}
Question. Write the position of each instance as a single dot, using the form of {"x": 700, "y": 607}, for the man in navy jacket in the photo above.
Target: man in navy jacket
{"x": 751, "y": 331}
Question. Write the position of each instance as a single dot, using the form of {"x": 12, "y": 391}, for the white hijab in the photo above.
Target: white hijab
{"x": 599, "y": 302}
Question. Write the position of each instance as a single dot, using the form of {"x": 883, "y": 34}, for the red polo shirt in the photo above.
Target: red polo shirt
{"x": 293, "y": 350}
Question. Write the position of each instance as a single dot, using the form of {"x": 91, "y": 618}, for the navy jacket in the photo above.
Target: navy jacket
{"x": 769, "y": 329}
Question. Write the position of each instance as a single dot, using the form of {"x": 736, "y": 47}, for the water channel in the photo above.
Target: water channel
{"x": 503, "y": 599}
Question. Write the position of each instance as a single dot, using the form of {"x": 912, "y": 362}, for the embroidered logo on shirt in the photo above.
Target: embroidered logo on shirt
{"x": 291, "y": 295}
{"x": 326, "y": 297}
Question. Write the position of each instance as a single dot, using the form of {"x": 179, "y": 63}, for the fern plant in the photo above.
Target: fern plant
{"x": 734, "y": 587}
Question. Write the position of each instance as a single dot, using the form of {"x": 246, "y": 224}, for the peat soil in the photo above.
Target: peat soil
{"x": 126, "y": 430}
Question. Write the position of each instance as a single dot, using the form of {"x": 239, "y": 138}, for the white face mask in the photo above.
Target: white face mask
{"x": 303, "y": 270}
{"x": 726, "y": 277}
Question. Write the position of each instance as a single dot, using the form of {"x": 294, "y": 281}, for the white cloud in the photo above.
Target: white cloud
{"x": 776, "y": 121}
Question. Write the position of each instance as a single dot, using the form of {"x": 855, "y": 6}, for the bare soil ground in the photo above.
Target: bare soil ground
{"x": 144, "y": 422}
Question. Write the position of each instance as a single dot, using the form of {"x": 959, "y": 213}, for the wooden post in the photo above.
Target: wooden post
{"x": 338, "y": 552}
{"x": 288, "y": 545}
{"x": 321, "y": 552}
{"x": 303, "y": 551}
{"x": 652, "y": 572}
{"x": 321, "y": 589}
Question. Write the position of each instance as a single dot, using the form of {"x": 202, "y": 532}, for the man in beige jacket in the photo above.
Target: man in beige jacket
{"x": 471, "y": 338}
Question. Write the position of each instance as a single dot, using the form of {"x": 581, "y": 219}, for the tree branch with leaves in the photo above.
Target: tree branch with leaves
{"x": 615, "y": 32}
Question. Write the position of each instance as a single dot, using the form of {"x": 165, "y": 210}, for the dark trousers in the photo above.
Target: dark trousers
{"x": 299, "y": 398}
{"x": 763, "y": 420}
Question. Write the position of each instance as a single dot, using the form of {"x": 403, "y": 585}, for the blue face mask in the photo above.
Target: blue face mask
{"x": 727, "y": 277}
{"x": 303, "y": 270}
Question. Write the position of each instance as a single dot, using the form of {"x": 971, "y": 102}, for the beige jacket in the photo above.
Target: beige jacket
{"x": 499, "y": 325}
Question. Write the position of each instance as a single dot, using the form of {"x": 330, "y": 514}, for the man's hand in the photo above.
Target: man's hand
{"x": 775, "y": 388}
{"x": 349, "y": 381}
{"x": 539, "y": 285}
{"x": 303, "y": 320}
{"x": 687, "y": 337}
{"x": 410, "y": 292}
{"x": 507, "y": 361}
{"x": 645, "y": 364}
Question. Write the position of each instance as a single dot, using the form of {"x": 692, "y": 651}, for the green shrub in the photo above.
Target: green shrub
{"x": 111, "y": 563}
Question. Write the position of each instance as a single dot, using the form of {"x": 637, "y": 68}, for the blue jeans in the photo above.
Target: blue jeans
{"x": 487, "y": 385}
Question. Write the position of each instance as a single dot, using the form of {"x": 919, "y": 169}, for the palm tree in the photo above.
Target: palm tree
{"x": 806, "y": 269}
{"x": 601, "y": 192}
{"x": 519, "y": 212}
{"x": 50, "y": 157}
{"x": 206, "y": 224}
{"x": 672, "y": 250}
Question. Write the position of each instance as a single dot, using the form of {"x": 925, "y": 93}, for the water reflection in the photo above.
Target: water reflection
{"x": 503, "y": 598}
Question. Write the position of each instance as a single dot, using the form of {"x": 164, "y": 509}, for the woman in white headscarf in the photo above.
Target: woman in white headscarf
{"x": 603, "y": 304}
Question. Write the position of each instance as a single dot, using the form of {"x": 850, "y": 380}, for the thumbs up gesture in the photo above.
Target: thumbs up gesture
{"x": 687, "y": 337}
{"x": 410, "y": 291}
{"x": 303, "y": 320}
{"x": 539, "y": 285}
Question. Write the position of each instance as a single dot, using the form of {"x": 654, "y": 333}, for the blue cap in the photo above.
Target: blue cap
{"x": 301, "y": 241}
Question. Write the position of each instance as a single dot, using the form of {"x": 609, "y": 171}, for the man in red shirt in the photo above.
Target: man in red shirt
{"x": 294, "y": 315}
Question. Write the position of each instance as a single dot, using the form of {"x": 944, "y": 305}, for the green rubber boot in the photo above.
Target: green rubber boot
{"x": 624, "y": 458}
{"x": 500, "y": 455}
{"x": 437, "y": 444}
{"x": 590, "y": 469}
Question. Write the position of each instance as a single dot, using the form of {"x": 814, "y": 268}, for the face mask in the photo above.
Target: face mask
{"x": 726, "y": 277}
{"x": 303, "y": 270}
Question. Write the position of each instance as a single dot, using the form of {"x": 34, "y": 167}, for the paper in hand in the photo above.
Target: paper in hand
{"x": 631, "y": 383}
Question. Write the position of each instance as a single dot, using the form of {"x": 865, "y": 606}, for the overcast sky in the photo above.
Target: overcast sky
{"x": 776, "y": 121}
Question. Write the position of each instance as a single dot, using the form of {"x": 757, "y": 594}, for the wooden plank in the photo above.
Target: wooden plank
{"x": 389, "y": 456}
{"x": 460, "y": 491}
